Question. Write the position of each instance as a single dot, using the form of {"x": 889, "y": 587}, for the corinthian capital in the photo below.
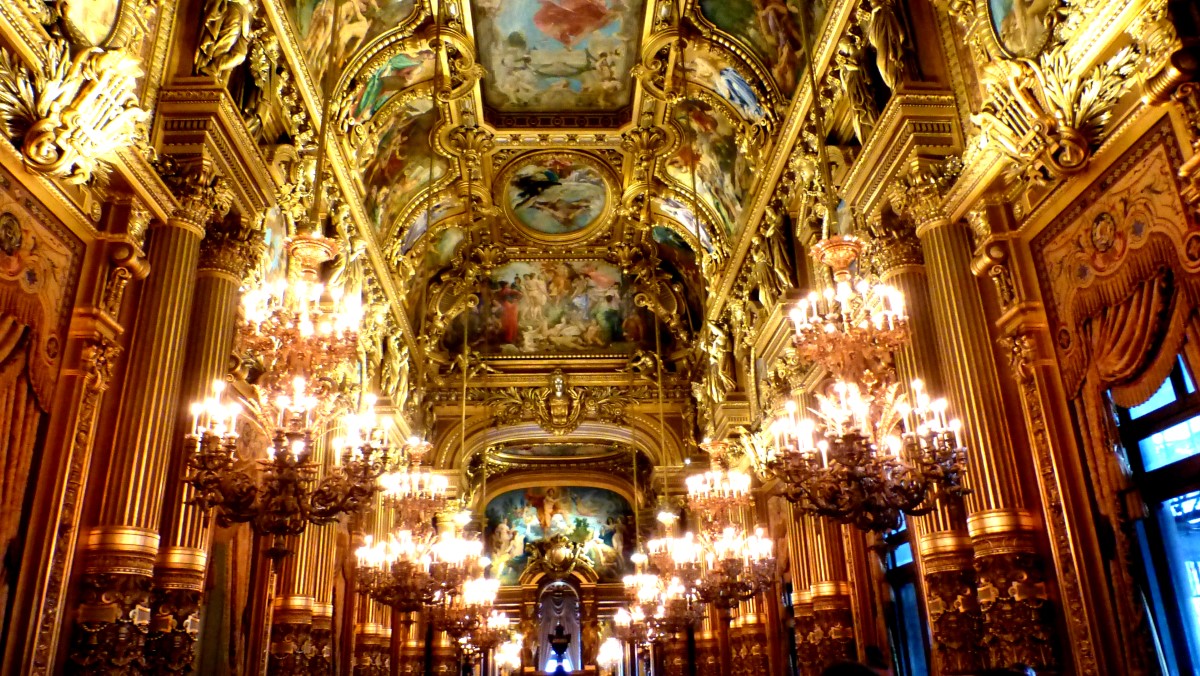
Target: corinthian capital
{"x": 203, "y": 196}
{"x": 918, "y": 193}
{"x": 230, "y": 246}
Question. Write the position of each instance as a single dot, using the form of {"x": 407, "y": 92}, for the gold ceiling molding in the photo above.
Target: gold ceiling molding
{"x": 559, "y": 408}
{"x": 639, "y": 431}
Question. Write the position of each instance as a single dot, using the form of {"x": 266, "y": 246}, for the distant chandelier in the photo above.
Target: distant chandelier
{"x": 493, "y": 630}
{"x": 871, "y": 455}
{"x": 414, "y": 493}
{"x": 287, "y": 496}
{"x": 463, "y": 610}
{"x": 720, "y": 493}
{"x": 410, "y": 570}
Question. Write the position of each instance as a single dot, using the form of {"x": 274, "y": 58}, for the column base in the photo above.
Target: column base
{"x": 954, "y": 618}
{"x": 321, "y": 662}
{"x": 171, "y": 645}
{"x": 750, "y": 650}
{"x": 109, "y": 637}
{"x": 371, "y": 654}
{"x": 708, "y": 655}
{"x": 833, "y": 630}
{"x": 291, "y": 648}
{"x": 1018, "y": 618}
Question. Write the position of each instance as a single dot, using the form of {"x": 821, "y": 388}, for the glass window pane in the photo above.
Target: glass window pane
{"x": 1171, "y": 445}
{"x": 1165, "y": 395}
{"x": 902, "y": 555}
{"x": 1187, "y": 377}
{"x": 1180, "y": 521}
{"x": 912, "y": 631}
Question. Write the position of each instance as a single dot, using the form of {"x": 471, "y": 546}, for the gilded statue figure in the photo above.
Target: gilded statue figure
{"x": 225, "y": 37}
{"x": 393, "y": 380}
{"x": 887, "y": 37}
{"x": 857, "y": 90}
{"x": 763, "y": 272}
{"x": 720, "y": 364}
{"x": 775, "y": 240}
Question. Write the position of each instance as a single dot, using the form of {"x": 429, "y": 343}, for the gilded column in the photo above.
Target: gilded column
{"x": 120, "y": 552}
{"x": 226, "y": 253}
{"x": 292, "y": 610}
{"x": 940, "y": 541}
{"x": 708, "y": 658}
{"x": 412, "y": 652}
{"x": 324, "y": 573}
{"x": 1018, "y": 622}
{"x": 833, "y": 620}
{"x": 799, "y": 526}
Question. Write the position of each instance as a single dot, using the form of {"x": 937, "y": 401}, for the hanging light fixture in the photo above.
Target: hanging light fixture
{"x": 396, "y": 572}
{"x": 871, "y": 452}
{"x": 284, "y": 496}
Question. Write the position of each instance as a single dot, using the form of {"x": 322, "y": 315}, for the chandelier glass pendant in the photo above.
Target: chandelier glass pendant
{"x": 464, "y": 609}
{"x": 871, "y": 452}
{"x": 395, "y": 572}
{"x": 414, "y": 493}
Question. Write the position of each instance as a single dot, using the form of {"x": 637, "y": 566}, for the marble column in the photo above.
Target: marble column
{"x": 1018, "y": 624}
{"x": 120, "y": 552}
{"x": 833, "y": 620}
{"x": 940, "y": 541}
{"x": 226, "y": 254}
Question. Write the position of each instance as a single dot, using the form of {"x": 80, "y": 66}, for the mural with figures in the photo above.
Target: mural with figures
{"x": 557, "y": 450}
{"x": 771, "y": 29}
{"x": 557, "y": 55}
{"x": 708, "y": 154}
{"x": 556, "y": 306}
{"x": 598, "y": 519}
{"x": 713, "y": 70}
{"x": 556, "y": 193}
{"x": 400, "y": 162}
{"x": 398, "y": 73}
{"x": 358, "y": 22}
{"x": 680, "y": 213}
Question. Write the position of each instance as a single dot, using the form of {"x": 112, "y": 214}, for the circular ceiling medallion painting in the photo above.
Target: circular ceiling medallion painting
{"x": 556, "y": 194}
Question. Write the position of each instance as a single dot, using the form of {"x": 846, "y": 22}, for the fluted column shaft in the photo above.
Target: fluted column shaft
{"x": 1009, "y": 572}
{"x": 940, "y": 541}
{"x": 833, "y": 621}
{"x": 120, "y": 552}
{"x": 799, "y": 525}
{"x": 225, "y": 255}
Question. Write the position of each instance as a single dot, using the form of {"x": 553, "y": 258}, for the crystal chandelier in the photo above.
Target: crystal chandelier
{"x": 871, "y": 453}
{"x": 414, "y": 493}
{"x": 284, "y": 496}
{"x": 508, "y": 655}
{"x": 395, "y": 572}
{"x": 737, "y": 566}
{"x": 722, "y": 492}
{"x": 495, "y": 629}
{"x": 629, "y": 625}
{"x": 462, "y": 610}
{"x": 289, "y": 332}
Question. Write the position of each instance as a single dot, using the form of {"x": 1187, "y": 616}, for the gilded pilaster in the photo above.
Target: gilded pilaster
{"x": 939, "y": 538}
{"x": 226, "y": 253}
{"x": 120, "y": 552}
{"x": 800, "y": 555}
{"x": 832, "y": 635}
{"x": 1017, "y": 617}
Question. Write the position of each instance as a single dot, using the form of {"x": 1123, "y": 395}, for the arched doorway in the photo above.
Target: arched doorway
{"x": 558, "y": 605}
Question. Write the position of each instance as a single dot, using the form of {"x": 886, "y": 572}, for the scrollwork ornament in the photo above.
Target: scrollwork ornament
{"x": 1018, "y": 619}
{"x": 113, "y": 620}
{"x": 174, "y": 628}
{"x": 73, "y": 111}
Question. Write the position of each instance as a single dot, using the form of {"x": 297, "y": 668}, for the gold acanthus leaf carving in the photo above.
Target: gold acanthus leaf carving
{"x": 559, "y": 408}
{"x": 72, "y": 111}
{"x": 1045, "y": 115}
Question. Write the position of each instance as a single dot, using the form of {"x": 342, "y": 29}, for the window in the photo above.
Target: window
{"x": 1162, "y": 437}
{"x": 905, "y": 616}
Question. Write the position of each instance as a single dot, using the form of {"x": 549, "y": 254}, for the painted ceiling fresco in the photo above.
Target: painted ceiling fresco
{"x": 715, "y": 71}
{"x": 556, "y": 307}
{"x": 557, "y": 55}
{"x": 395, "y": 74}
{"x": 354, "y": 22}
{"x": 709, "y": 157}
{"x": 556, "y": 193}
{"x": 399, "y": 162}
{"x": 770, "y": 29}
{"x": 600, "y": 520}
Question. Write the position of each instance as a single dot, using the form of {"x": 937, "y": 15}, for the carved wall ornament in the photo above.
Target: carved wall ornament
{"x": 918, "y": 193}
{"x": 560, "y": 408}
{"x": 1047, "y": 118}
{"x": 73, "y": 111}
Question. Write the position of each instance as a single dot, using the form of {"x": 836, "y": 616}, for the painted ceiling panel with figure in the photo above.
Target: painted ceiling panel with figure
{"x": 557, "y": 55}
{"x": 354, "y": 22}
{"x": 397, "y": 161}
{"x": 556, "y": 193}
{"x": 394, "y": 74}
{"x": 548, "y": 450}
{"x": 600, "y": 521}
{"x": 555, "y": 307}
{"x": 708, "y": 155}
{"x": 771, "y": 29}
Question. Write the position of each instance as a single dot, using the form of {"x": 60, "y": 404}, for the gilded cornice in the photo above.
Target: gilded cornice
{"x": 290, "y": 44}
{"x": 196, "y": 114}
{"x": 913, "y": 123}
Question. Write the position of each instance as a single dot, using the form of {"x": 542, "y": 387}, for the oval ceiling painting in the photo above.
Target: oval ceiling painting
{"x": 556, "y": 193}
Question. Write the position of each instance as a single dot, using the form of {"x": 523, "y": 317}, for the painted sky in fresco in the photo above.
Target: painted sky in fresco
{"x": 557, "y": 55}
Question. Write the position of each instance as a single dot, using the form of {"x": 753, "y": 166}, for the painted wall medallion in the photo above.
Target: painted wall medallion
{"x": 1022, "y": 27}
{"x": 600, "y": 520}
{"x": 556, "y": 193}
